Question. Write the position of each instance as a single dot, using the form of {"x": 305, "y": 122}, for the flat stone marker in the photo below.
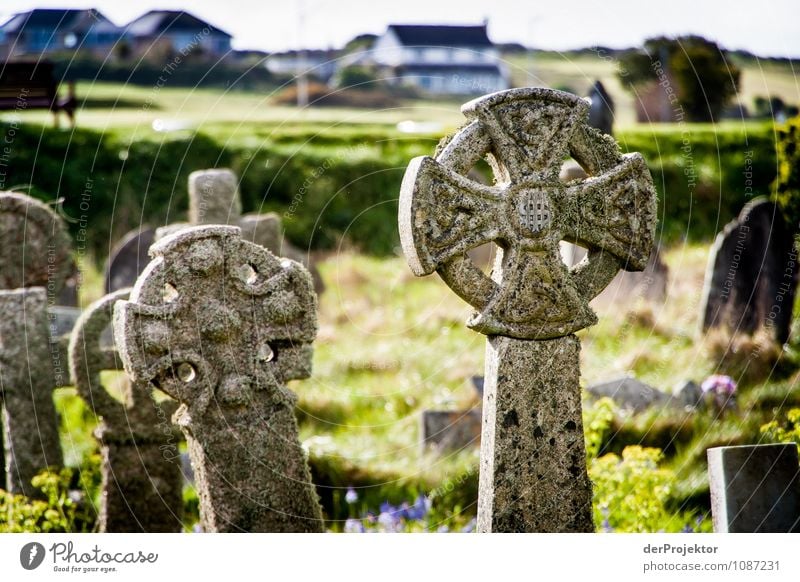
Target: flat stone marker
{"x": 142, "y": 478}
{"x": 533, "y": 474}
{"x": 630, "y": 393}
{"x": 755, "y": 489}
{"x": 752, "y": 274}
{"x": 221, "y": 325}
{"x": 27, "y": 382}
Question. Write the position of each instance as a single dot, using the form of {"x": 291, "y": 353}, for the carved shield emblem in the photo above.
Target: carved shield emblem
{"x": 534, "y": 211}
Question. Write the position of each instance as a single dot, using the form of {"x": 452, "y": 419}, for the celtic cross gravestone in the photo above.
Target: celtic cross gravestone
{"x": 533, "y": 468}
{"x": 141, "y": 469}
{"x": 220, "y": 324}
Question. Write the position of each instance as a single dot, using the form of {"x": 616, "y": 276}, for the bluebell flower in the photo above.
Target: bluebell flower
{"x": 687, "y": 529}
{"x": 351, "y": 496}
{"x": 607, "y": 526}
{"x": 443, "y": 529}
{"x": 470, "y": 527}
{"x": 387, "y": 507}
{"x": 420, "y": 509}
{"x": 388, "y": 521}
{"x": 353, "y": 526}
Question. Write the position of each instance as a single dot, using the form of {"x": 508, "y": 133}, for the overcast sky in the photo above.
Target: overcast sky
{"x": 766, "y": 28}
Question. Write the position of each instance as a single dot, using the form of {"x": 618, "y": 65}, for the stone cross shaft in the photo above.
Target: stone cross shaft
{"x": 533, "y": 466}
{"x": 221, "y": 325}
{"x": 141, "y": 468}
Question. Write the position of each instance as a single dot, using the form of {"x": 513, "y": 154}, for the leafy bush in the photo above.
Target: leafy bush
{"x": 631, "y": 494}
{"x": 787, "y": 183}
{"x": 784, "y": 432}
{"x": 69, "y": 496}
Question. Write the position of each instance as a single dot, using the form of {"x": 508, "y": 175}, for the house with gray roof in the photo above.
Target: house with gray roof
{"x": 163, "y": 32}
{"x": 444, "y": 60}
{"x": 45, "y": 31}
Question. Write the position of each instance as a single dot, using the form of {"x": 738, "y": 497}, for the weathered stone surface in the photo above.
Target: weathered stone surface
{"x": 526, "y": 133}
{"x": 601, "y": 109}
{"x": 34, "y": 246}
{"x": 267, "y": 230}
{"x": 27, "y": 381}
{"x": 630, "y": 393}
{"x": 752, "y": 274}
{"x": 221, "y": 325}
{"x": 533, "y": 471}
{"x": 142, "y": 479}
{"x": 451, "y": 430}
{"x": 214, "y": 197}
{"x": 533, "y": 460}
{"x": 128, "y": 259}
{"x": 61, "y": 320}
{"x": 755, "y": 489}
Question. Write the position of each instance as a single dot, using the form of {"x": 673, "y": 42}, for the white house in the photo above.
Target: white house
{"x": 454, "y": 60}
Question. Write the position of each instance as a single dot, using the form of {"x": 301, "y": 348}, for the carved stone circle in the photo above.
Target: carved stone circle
{"x": 34, "y": 245}
{"x": 525, "y": 134}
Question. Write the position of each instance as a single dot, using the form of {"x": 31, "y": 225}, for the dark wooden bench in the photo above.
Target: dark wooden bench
{"x": 28, "y": 85}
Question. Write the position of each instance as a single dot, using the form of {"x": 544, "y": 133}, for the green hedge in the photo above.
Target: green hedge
{"x": 339, "y": 185}
{"x": 787, "y": 184}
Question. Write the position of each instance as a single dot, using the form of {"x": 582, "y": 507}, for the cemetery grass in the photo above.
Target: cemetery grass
{"x": 391, "y": 345}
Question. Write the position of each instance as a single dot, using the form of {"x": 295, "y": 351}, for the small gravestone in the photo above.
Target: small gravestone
{"x": 27, "y": 382}
{"x": 755, "y": 489}
{"x": 752, "y": 274}
{"x": 141, "y": 469}
{"x": 128, "y": 258}
{"x": 533, "y": 474}
{"x": 451, "y": 430}
{"x": 629, "y": 393}
{"x": 221, "y": 325}
{"x": 213, "y": 199}
{"x": 34, "y": 265}
{"x": 601, "y": 108}
{"x": 688, "y": 394}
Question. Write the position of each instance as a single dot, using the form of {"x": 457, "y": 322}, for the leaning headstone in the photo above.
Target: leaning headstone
{"x": 141, "y": 468}
{"x": 752, "y": 274}
{"x": 128, "y": 258}
{"x": 533, "y": 463}
{"x": 34, "y": 265}
{"x": 601, "y": 108}
{"x": 629, "y": 393}
{"x": 755, "y": 489}
{"x": 221, "y": 325}
{"x": 27, "y": 382}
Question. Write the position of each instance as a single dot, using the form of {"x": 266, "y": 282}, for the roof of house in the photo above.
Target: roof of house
{"x": 431, "y": 35}
{"x": 63, "y": 20}
{"x": 432, "y": 69}
{"x": 157, "y": 22}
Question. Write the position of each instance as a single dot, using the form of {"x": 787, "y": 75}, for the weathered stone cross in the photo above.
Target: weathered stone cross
{"x": 533, "y": 474}
{"x": 221, "y": 325}
{"x": 142, "y": 479}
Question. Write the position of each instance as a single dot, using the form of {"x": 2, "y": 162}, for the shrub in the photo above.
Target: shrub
{"x": 787, "y": 431}
{"x": 787, "y": 183}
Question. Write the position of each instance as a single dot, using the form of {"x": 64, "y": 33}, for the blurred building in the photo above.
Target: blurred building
{"x": 445, "y": 60}
{"x": 317, "y": 63}
{"x": 46, "y": 31}
{"x": 161, "y": 33}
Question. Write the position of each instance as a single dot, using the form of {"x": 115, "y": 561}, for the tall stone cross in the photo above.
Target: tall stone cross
{"x": 141, "y": 469}
{"x": 220, "y": 324}
{"x": 533, "y": 474}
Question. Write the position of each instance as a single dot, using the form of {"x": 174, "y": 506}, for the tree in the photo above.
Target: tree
{"x": 704, "y": 79}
